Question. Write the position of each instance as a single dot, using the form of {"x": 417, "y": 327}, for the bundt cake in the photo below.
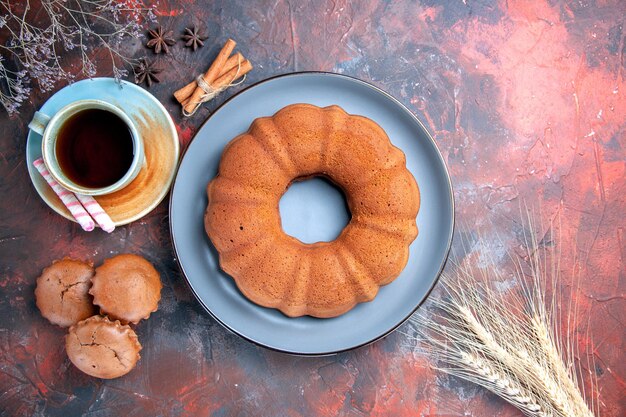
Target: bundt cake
{"x": 323, "y": 279}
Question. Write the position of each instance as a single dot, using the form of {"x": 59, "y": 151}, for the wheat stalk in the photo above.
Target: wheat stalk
{"x": 521, "y": 362}
{"x": 507, "y": 342}
{"x": 558, "y": 369}
{"x": 504, "y": 385}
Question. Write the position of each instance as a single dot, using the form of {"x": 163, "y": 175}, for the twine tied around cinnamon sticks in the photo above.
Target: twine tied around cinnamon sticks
{"x": 222, "y": 73}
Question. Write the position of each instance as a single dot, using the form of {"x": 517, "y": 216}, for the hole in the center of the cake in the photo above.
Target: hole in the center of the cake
{"x": 314, "y": 210}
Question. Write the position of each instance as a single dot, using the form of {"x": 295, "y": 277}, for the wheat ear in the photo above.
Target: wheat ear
{"x": 502, "y": 384}
{"x": 520, "y": 362}
{"x": 506, "y": 341}
{"x": 557, "y": 367}
{"x": 462, "y": 359}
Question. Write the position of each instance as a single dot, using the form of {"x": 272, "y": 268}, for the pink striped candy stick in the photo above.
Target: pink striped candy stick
{"x": 97, "y": 212}
{"x": 67, "y": 197}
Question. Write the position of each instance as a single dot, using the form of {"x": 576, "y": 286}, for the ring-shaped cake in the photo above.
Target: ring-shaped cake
{"x": 323, "y": 279}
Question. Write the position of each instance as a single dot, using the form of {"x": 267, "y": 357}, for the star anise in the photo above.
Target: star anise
{"x": 159, "y": 40}
{"x": 145, "y": 71}
{"x": 193, "y": 38}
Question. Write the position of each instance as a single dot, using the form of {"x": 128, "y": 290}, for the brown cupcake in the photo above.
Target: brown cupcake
{"x": 62, "y": 292}
{"x": 127, "y": 288}
{"x": 102, "y": 348}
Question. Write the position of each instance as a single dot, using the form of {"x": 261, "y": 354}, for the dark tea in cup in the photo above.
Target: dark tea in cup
{"x": 94, "y": 148}
{"x": 90, "y": 146}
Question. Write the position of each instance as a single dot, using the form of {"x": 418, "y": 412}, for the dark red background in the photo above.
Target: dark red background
{"x": 526, "y": 103}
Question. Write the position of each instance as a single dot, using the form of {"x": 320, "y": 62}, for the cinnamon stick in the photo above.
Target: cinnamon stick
{"x": 212, "y": 73}
{"x": 185, "y": 92}
{"x": 225, "y": 79}
{"x": 233, "y": 74}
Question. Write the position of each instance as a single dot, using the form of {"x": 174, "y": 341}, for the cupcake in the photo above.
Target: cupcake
{"x": 62, "y": 292}
{"x": 102, "y": 348}
{"x": 126, "y": 288}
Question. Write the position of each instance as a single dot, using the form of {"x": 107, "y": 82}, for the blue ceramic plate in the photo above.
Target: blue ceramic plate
{"x": 156, "y": 129}
{"x": 304, "y": 215}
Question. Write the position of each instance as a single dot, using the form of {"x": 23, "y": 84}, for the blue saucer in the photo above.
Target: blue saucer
{"x": 156, "y": 129}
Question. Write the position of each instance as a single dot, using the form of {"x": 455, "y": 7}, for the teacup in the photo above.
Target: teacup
{"x": 90, "y": 147}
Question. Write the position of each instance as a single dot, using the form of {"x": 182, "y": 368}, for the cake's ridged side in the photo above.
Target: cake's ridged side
{"x": 243, "y": 182}
{"x": 368, "y": 150}
{"x": 237, "y": 262}
{"x": 301, "y": 128}
{"x": 227, "y": 190}
{"x": 365, "y": 287}
{"x": 386, "y": 194}
{"x": 335, "y": 119}
{"x": 405, "y": 229}
{"x": 385, "y": 257}
{"x": 267, "y": 278}
{"x": 246, "y": 161}
{"x": 264, "y": 131}
{"x": 231, "y": 229}
{"x": 312, "y": 295}
{"x": 330, "y": 291}
{"x": 294, "y": 303}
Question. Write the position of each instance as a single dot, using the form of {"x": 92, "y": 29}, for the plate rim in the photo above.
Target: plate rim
{"x": 444, "y": 261}
{"x": 172, "y": 128}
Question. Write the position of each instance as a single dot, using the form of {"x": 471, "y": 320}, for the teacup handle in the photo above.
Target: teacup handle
{"x": 39, "y": 122}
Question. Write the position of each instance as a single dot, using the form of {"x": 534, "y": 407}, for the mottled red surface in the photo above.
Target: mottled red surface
{"x": 526, "y": 103}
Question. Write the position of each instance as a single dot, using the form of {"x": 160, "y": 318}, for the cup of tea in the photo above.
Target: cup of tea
{"x": 90, "y": 147}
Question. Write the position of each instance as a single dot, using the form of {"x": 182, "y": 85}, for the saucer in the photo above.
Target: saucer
{"x": 160, "y": 139}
